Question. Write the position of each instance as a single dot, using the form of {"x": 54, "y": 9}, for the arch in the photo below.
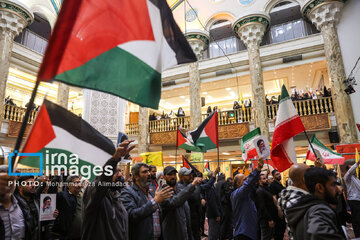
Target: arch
{"x": 218, "y": 16}
{"x": 45, "y": 13}
{"x": 270, "y": 5}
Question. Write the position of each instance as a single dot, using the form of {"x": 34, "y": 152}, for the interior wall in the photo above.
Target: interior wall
{"x": 349, "y": 35}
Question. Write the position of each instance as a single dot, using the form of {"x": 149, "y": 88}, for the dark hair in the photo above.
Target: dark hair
{"x": 317, "y": 175}
{"x": 221, "y": 177}
{"x": 229, "y": 178}
{"x": 71, "y": 178}
{"x": 135, "y": 170}
{"x": 24, "y": 178}
{"x": 151, "y": 167}
{"x": 46, "y": 198}
{"x": 274, "y": 171}
{"x": 258, "y": 142}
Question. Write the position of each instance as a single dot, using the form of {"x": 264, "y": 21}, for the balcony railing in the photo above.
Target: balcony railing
{"x": 304, "y": 108}
{"x": 17, "y": 114}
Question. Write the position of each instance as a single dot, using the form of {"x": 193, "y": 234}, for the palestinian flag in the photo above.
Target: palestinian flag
{"x": 188, "y": 165}
{"x": 206, "y": 135}
{"x": 288, "y": 124}
{"x": 183, "y": 142}
{"x": 248, "y": 144}
{"x": 207, "y": 167}
{"x": 64, "y": 139}
{"x": 115, "y": 46}
{"x": 328, "y": 156}
{"x": 185, "y": 163}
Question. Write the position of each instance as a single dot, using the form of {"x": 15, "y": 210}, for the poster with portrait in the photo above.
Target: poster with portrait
{"x": 262, "y": 147}
{"x": 47, "y": 206}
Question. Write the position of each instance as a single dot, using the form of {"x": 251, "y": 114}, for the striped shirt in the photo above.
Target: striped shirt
{"x": 13, "y": 219}
{"x": 156, "y": 217}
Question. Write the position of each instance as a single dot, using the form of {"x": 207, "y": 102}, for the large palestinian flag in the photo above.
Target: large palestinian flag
{"x": 206, "y": 135}
{"x": 61, "y": 137}
{"x": 248, "y": 145}
{"x": 183, "y": 142}
{"x": 288, "y": 124}
{"x": 115, "y": 46}
{"x": 328, "y": 156}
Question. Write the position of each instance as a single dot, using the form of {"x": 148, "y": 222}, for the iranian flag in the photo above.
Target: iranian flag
{"x": 183, "y": 142}
{"x": 328, "y": 156}
{"x": 64, "y": 139}
{"x": 288, "y": 124}
{"x": 115, "y": 46}
{"x": 206, "y": 135}
{"x": 248, "y": 144}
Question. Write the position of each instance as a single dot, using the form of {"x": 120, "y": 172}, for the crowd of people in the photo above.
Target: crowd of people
{"x": 176, "y": 204}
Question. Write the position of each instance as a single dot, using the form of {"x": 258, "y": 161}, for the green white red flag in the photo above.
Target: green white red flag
{"x": 328, "y": 156}
{"x": 248, "y": 144}
{"x": 288, "y": 124}
{"x": 115, "y": 46}
{"x": 206, "y": 135}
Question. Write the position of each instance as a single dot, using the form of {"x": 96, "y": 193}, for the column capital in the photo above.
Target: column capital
{"x": 198, "y": 41}
{"x": 251, "y": 28}
{"x": 323, "y": 12}
{"x": 14, "y": 17}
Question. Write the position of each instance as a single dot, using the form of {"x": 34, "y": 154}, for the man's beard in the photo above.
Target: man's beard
{"x": 171, "y": 183}
{"x": 144, "y": 182}
{"x": 330, "y": 199}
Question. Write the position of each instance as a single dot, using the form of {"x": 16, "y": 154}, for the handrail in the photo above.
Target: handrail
{"x": 16, "y": 114}
{"x": 304, "y": 108}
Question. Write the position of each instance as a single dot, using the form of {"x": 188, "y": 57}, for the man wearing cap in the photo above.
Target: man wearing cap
{"x": 175, "y": 224}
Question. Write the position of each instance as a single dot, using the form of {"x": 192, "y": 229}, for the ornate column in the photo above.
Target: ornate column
{"x": 325, "y": 15}
{"x": 198, "y": 41}
{"x": 143, "y": 130}
{"x": 251, "y": 29}
{"x": 13, "y": 19}
{"x": 63, "y": 95}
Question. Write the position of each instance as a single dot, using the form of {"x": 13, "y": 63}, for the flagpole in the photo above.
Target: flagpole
{"x": 175, "y": 156}
{"x": 218, "y": 162}
{"x": 24, "y": 124}
{"x": 312, "y": 148}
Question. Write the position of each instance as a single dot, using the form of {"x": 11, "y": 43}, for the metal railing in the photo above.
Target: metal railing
{"x": 304, "y": 108}
{"x": 14, "y": 113}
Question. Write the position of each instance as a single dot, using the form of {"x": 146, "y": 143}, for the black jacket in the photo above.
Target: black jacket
{"x": 31, "y": 221}
{"x": 264, "y": 202}
{"x": 312, "y": 218}
{"x": 30, "y": 234}
{"x": 66, "y": 203}
{"x": 104, "y": 216}
{"x": 174, "y": 223}
{"x": 213, "y": 204}
{"x": 140, "y": 211}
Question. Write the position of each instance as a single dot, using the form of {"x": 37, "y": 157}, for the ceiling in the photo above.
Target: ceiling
{"x": 223, "y": 93}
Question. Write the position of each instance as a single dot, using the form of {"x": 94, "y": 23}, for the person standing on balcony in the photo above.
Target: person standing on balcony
{"x": 180, "y": 112}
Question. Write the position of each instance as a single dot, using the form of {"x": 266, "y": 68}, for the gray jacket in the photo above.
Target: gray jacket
{"x": 312, "y": 219}
{"x": 174, "y": 224}
{"x": 140, "y": 211}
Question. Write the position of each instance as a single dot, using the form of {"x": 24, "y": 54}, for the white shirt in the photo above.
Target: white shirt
{"x": 352, "y": 183}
